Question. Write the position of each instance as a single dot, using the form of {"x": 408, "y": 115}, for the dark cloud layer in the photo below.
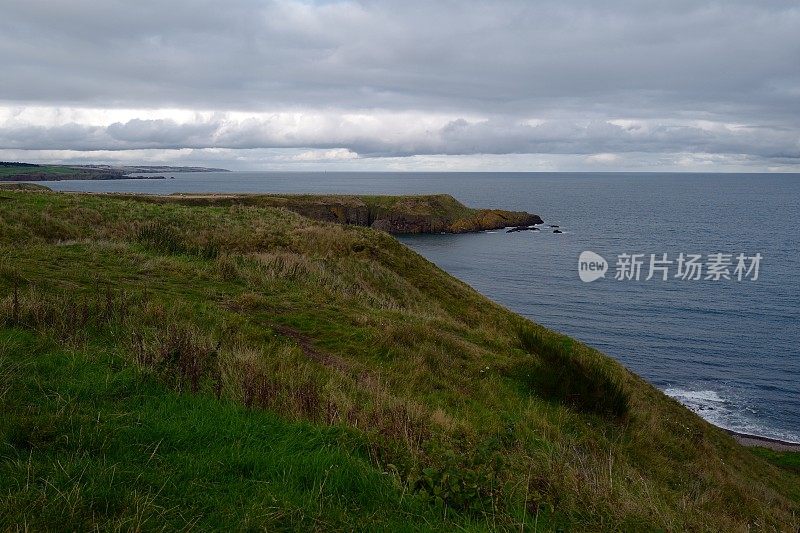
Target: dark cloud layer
{"x": 692, "y": 76}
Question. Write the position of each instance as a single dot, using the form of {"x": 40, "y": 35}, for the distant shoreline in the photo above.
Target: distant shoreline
{"x": 15, "y": 171}
{"x": 36, "y": 178}
{"x": 777, "y": 445}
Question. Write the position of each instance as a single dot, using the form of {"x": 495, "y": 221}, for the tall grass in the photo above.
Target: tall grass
{"x": 165, "y": 238}
{"x": 557, "y": 374}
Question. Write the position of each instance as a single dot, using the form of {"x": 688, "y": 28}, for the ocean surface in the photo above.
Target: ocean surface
{"x": 728, "y": 349}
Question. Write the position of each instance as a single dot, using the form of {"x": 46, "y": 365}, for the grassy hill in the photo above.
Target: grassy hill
{"x": 165, "y": 365}
{"x": 30, "y": 172}
{"x": 14, "y": 171}
{"x": 435, "y": 213}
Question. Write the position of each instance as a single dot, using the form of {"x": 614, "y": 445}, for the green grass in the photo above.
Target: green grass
{"x": 105, "y": 447}
{"x": 314, "y": 344}
{"x": 787, "y": 460}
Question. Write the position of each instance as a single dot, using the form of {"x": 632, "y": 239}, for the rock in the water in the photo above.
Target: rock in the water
{"x": 554, "y": 225}
{"x": 522, "y": 228}
{"x": 557, "y": 231}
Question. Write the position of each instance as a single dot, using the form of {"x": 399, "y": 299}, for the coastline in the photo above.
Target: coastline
{"x": 339, "y": 202}
{"x": 763, "y": 442}
{"x": 257, "y": 314}
{"x": 36, "y": 178}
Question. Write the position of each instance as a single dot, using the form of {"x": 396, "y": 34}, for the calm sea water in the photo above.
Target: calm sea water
{"x": 727, "y": 349}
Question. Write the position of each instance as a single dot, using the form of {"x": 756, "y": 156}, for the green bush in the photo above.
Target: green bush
{"x": 166, "y": 239}
{"x": 558, "y": 375}
{"x": 462, "y": 482}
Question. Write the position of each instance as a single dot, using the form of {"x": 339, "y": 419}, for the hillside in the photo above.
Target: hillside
{"x": 202, "y": 363}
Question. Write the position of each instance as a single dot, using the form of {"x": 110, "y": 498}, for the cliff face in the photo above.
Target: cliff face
{"x": 481, "y": 220}
{"x": 393, "y": 214}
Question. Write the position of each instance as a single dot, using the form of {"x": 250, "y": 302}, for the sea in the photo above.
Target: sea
{"x": 727, "y": 345}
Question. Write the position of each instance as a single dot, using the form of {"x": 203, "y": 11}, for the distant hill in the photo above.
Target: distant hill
{"x": 15, "y": 171}
{"x": 15, "y": 164}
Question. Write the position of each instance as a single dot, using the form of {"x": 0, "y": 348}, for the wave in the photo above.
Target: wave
{"x": 728, "y": 412}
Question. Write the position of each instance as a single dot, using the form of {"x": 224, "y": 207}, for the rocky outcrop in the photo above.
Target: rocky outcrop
{"x": 522, "y": 228}
{"x": 413, "y": 215}
{"x": 398, "y": 215}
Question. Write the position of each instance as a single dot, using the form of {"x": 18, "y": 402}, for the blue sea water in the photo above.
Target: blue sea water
{"x": 727, "y": 349}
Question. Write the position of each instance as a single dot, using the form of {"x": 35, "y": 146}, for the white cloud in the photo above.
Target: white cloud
{"x": 603, "y": 159}
{"x": 554, "y": 83}
{"x": 331, "y": 134}
{"x": 325, "y": 155}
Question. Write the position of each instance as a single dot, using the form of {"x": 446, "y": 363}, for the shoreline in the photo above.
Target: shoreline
{"x": 751, "y": 441}
{"x": 39, "y": 179}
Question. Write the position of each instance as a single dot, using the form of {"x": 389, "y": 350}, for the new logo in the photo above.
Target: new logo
{"x": 591, "y": 266}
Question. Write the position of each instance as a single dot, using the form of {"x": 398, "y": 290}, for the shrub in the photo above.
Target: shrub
{"x": 559, "y": 376}
{"x": 182, "y": 354}
{"x": 166, "y": 239}
{"x": 63, "y": 316}
{"x": 160, "y": 238}
{"x": 466, "y": 482}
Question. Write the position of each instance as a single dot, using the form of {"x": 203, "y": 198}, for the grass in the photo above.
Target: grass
{"x": 105, "y": 447}
{"x": 559, "y": 376}
{"x": 240, "y": 366}
{"x": 787, "y": 460}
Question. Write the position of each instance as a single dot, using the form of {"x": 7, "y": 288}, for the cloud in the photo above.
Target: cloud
{"x": 325, "y": 155}
{"x": 388, "y": 79}
{"x": 603, "y": 159}
{"x": 332, "y": 135}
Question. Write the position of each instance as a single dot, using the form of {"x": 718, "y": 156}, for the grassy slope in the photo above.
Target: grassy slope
{"x": 419, "y": 402}
{"x": 93, "y": 443}
{"x": 786, "y": 460}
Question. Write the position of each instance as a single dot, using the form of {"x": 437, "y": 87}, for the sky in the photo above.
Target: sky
{"x": 568, "y": 85}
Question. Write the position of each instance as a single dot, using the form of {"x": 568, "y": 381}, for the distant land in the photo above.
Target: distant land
{"x": 15, "y": 171}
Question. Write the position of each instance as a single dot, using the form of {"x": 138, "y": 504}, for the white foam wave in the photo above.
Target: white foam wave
{"x": 727, "y": 412}
{"x": 695, "y": 396}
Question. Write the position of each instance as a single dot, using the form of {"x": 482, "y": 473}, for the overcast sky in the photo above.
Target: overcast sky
{"x": 373, "y": 85}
